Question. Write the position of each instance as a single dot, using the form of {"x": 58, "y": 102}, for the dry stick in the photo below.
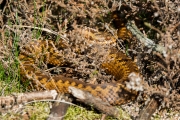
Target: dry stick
{"x": 144, "y": 40}
{"x": 97, "y": 103}
{"x": 37, "y": 28}
{"x": 149, "y": 109}
{"x": 20, "y": 98}
{"x": 152, "y": 27}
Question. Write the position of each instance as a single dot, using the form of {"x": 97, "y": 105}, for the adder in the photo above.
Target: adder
{"x": 120, "y": 66}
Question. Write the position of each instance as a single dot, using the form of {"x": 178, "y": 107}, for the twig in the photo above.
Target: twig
{"x": 152, "y": 27}
{"x": 175, "y": 26}
{"x": 37, "y": 28}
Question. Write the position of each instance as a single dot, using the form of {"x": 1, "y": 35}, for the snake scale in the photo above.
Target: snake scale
{"x": 120, "y": 67}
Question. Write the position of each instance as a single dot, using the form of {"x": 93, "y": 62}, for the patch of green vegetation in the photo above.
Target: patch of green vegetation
{"x": 78, "y": 113}
{"x": 38, "y": 110}
{"x": 9, "y": 78}
{"x": 9, "y": 70}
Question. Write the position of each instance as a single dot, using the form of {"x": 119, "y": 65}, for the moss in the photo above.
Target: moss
{"x": 79, "y": 113}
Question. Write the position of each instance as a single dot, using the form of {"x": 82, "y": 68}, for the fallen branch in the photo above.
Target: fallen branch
{"x": 144, "y": 40}
{"x": 97, "y": 103}
{"x": 149, "y": 109}
{"x": 21, "y": 98}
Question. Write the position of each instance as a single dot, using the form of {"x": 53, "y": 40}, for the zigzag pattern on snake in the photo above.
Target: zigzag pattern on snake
{"x": 47, "y": 51}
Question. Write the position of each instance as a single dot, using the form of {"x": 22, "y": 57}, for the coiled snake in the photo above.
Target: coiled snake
{"x": 114, "y": 93}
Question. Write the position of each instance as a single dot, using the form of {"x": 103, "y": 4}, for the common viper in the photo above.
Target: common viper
{"x": 47, "y": 51}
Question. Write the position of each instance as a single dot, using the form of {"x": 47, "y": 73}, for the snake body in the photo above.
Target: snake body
{"x": 120, "y": 67}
